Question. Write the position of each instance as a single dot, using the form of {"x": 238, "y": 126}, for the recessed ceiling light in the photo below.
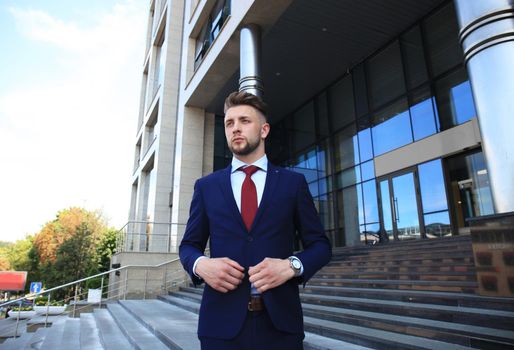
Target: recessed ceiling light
{"x": 324, "y": 29}
{"x": 277, "y": 74}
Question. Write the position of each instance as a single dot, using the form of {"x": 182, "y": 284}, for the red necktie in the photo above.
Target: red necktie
{"x": 248, "y": 196}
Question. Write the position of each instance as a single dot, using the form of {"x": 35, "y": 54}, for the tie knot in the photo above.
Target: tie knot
{"x": 249, "y": 170}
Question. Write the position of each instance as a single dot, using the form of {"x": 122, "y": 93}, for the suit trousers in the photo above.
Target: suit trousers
{"x": 258, "y": 333}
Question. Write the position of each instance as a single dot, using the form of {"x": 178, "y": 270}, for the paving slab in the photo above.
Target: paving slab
{"x": 136, "y": 332}
{"x": 111, "y": 336}
{"x": 176, "y": 327}
{"x": 89, "y": 335}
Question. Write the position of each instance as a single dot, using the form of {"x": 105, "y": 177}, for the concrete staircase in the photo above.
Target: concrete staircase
{"x": 408, "y": 295}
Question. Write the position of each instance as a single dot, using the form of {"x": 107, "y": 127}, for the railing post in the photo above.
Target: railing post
{"x": 48, "y": 308}
{"x": 17, "y": 320}
{"x": 146, "y": 281}
{"x": 75, "y": 301}
{"x": 101, "y": 292}
{"x": 165, "y": 281}
{"x": 126, "y": 285}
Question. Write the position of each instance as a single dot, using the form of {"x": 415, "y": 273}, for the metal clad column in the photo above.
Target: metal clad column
{"x": 250, "y": 46}
{"x": 487, "y": 38}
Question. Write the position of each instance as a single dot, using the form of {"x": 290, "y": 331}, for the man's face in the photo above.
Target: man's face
{"x": 245, "y": 130}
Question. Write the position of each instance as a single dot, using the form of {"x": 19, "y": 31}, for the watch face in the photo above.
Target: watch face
{"x": 296, "y": 264}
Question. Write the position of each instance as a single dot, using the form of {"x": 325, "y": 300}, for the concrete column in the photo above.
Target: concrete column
{"x": 487, "y": 39}
{"x": 250, "y": 56}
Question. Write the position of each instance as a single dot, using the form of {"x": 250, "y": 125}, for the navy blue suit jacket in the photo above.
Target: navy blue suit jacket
{"x": 286, "y": 207}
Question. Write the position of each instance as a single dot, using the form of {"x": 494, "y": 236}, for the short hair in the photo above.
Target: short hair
{"x": 243, "y": 98}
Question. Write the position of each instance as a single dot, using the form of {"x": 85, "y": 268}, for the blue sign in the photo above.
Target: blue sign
{"x": 35, "y": 287}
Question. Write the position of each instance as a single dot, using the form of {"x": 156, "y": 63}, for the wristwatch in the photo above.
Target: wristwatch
{"x": 296, "y": 265}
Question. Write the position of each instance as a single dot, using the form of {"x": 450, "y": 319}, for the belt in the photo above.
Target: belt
{"x": 255, "y": 303}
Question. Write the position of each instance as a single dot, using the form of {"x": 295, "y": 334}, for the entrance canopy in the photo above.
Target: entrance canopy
{"x": 12, "y": 281}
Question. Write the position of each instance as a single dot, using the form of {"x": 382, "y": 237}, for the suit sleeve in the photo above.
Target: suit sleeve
{"x": 196, "y": 235}
{"x": 317, "y": 250}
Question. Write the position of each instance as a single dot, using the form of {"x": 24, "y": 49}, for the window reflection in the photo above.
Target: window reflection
{"x": 431, "y": 181}
{"x": 422, "y": 114}
{"x": 437, "y": 225}
{"x": 392, "y": 128}
{"x": 470, "y": 189}
{"x": 346, "y": 148}
{"x": 454, "y": 99}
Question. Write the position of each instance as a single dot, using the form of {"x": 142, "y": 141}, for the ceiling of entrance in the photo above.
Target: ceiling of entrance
{"x": 315, "y": 41}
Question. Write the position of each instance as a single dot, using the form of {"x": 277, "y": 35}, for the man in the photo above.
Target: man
{"x": 250, "y": 213}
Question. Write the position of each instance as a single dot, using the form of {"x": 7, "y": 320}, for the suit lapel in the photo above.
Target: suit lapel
{"x": 228, "y": 194}
{"x": 272, "y": 177}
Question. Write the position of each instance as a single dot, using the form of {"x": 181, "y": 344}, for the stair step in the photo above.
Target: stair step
{"x": 89, "y": 335}
{"x": 111, "y": 335}
{"x": 192, "y": 306}
{"x": 71, "y": 334}
{"x": 406, "y": 268}
{"x": 463, "y": 334}
{"x": 54, "y": 335}
{"x": 137, "y": 335}
{"x": 317, "y": 342}
{"x": 417, "y": 296}
{"x": 174, "y": 326}
{"x": 415, "y": 276}
{"x": 16, "y": 343}
{"x": 375, "y": 338}
{"x": 37, "y": 339}
{"x": 466, "y": 315}
{"x": 453, "y": 286}
{"x": 186, "y": 295}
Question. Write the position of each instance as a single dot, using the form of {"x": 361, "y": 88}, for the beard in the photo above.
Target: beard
{"x": 246, "y": 149}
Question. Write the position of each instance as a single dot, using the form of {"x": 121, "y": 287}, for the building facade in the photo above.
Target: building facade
{"x": 397, "y": 112}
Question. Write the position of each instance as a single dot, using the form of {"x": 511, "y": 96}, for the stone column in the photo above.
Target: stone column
{"x": 250, "y": 56}
{"x": 487, "y": 39}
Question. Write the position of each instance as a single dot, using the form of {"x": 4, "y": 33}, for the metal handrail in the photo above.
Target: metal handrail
{"x": 113, "y": 290}
{"x": 46, "y": 291}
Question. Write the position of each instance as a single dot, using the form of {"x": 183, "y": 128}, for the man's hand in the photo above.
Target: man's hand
{"x": 222, "y": 274}
{"x": 270, "y": 273}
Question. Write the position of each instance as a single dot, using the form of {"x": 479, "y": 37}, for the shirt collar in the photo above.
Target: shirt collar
{"x": 261, "y": 163}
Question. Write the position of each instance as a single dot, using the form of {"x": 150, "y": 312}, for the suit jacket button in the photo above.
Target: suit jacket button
{"x": 250, "y": 238}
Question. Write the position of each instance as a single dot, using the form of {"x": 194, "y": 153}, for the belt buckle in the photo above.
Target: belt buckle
{"x": 255, "y": 304}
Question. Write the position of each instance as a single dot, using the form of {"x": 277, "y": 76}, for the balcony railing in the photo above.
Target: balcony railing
{"x": 149, "y": 236}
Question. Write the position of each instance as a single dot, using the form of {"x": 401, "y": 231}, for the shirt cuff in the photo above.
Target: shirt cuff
{"x": 204, "y": 257}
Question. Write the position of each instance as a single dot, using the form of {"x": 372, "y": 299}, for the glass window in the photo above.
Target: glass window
{"x": 369, "y": 190}
{"x": 361, "y": 93}
{"x": 306, "y": 164}
{"x": 431, "y": 181}
{"x": 326, "y": 211}
{"x": 324, "y": 152}
{"x": 385, "y": 73}
{"x": 442, "y": 39}
{"x": 367, "y": 170}
{"x": 304, "y": 133}
{"x": 364, "y": 136}
{"x": 352, "y": 207}
{"x": 392, "y": 128}
{"x": 415, "y": 67}
{"x": 342, "y": 111}
{"x": 346, "y": 148}
{"x": 349, "y": 177}
{"x": 454, "y": 99}
{"x": 470, "y": 187}
{"x": 438, "y": 225}
{"x": 422, "y": 113}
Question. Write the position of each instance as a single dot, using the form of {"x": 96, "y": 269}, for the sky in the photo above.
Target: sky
{"x": 70, "y": 79}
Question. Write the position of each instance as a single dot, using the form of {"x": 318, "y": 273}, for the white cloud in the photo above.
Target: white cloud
{"x": 69, "y": 140}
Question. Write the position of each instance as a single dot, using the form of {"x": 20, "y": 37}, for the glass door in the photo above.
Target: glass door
{"x": 400, "y": 212}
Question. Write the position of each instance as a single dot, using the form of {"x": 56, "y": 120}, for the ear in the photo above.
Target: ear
{"x": 265, "y": 129}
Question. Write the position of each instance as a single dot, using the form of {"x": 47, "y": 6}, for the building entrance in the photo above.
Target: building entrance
{"x": 400, "y": 206}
